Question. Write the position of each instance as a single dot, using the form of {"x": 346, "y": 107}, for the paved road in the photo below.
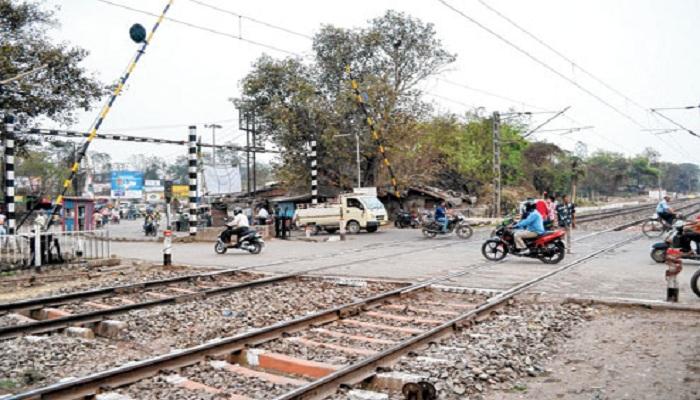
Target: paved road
{"x": 626, "y": 272}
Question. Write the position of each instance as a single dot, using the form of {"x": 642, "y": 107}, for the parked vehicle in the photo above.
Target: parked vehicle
{"x": 547, "y": 248}
{"x": 249, "y": 240}
{"x": 455, "y": 224}
{"x": 404, "y": 219}
{"x": 358, "y": 212}
{"x": 658, "y": 250}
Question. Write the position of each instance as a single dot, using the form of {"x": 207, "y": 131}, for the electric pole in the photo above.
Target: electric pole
{"x": 497, "y": 163}
{"x": 213, "y": 127}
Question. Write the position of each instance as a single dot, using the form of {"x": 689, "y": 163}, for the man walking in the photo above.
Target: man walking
{"x": 566, "y": 214}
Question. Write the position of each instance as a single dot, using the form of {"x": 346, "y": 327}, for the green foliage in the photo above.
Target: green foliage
{"x": 55, "y": 92}
{"x": 297, "y": 101}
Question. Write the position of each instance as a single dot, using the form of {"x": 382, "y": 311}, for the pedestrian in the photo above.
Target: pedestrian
{"x": 262, "y": 216}
{"x": 285, "y": 220}
{"x": 3, "y": 218}
{"x": 278, "y": 220}
{"x": 566, "y": 215}
{"x": 40, "y": 221}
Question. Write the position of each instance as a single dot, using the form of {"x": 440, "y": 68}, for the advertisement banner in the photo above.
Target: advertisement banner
{"x": 222, "y": 180}
{"x": 127, "y": 184}
{"x": 181, "y": 191}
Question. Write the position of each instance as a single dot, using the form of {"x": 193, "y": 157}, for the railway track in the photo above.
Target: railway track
{"x": 649, "y": 208}
{"x": 397, "y": 312}
{"x": 66, "y": 310}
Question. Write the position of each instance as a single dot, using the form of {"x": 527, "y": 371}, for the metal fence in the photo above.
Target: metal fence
{"x": 55, "y": 247}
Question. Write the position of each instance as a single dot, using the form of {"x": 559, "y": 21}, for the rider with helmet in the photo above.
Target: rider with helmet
{"x": 665, "y": 212}
{"x": 528, "y": 228}
{"x": 239, "y": 224}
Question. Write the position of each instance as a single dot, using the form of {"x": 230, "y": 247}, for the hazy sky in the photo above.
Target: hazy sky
{"x": 645, "y": 49}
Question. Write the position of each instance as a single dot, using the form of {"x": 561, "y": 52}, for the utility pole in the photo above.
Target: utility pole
{"x": 497, "y": 163}
{"x": 213, "y": 127}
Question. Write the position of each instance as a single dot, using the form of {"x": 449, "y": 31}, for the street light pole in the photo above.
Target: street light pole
{"x": 357, "y": 150}
{"x": 213, "y": 141}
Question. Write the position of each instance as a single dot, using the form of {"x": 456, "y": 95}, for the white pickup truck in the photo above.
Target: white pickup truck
{"x": 358, "y": 212}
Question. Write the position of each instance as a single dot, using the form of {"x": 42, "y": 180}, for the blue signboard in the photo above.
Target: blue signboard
{"x": 127, "y": 184}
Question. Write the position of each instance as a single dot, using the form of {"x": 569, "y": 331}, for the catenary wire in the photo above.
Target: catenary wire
{"x": 202, "y": 28}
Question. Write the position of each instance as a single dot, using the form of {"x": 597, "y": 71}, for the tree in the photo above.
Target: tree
{"x": 55, "y": 92}
{"x": 297, "y": 102}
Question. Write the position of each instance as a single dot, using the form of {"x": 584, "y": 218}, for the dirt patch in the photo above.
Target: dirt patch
{"x": 621, "y": 354}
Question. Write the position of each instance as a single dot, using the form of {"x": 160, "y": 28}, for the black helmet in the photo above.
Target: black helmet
{"x": 237, "y": 211}
{"x": 530, "y": 206}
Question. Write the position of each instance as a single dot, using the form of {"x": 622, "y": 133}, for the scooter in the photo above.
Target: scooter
{"x": 454, "y": 224}
{"x": 673, "y": 238}
{"x": 548, "y": 248}
{"x": 249, "y": 240}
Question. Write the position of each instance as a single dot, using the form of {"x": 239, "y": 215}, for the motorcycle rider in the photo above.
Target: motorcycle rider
{"x": 239, "y": 224}
{"x": 149, "y": 220}
{"x": 691, "y": 233}
{"x": 441, "y": 215}
{"x": 530, "y": 227}
{"x": 665, "y": 212}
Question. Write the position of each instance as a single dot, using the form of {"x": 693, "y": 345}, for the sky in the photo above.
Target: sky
{"x": 645, "y": 50}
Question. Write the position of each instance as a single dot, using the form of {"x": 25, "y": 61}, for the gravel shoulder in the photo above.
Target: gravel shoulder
{"x": 621, "y": 354}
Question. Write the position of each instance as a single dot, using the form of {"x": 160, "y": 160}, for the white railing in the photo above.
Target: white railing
{"x": 54, "y": 247}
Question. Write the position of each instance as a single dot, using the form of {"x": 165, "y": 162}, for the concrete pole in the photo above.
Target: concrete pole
{"x": 192, "y": 172}
{"x": 497, "y": 163}
{"x": 314, "y": 173}
{"x": 10, "y": 173}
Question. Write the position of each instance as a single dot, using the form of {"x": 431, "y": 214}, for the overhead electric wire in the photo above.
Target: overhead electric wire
{"x": 540, "y": 62}
{"x": 555, "y": 51}
{"x": 203, "y": 28}
{"x": 676, "y": 108}
{"x": 257, "y": 21}
{"x": 514, "y": 101}
{"x": 675, "y": 123}
{"x": 580, "y": 68}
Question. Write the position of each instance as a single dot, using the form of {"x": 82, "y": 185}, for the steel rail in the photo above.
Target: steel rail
{"x": 132, "y": 372}
{"x": 367, "y": 367}
{"x": 127, "y": 288}
{"x": 49, "y": 325}
{"x": 115, "y": 377}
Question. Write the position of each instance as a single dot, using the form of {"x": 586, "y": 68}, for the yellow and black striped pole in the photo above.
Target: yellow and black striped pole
{"x": 375, "y": 133}
{"x": 103, "y": 114}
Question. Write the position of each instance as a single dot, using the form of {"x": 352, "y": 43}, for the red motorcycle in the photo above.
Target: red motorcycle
{"x": 547, "y": 248}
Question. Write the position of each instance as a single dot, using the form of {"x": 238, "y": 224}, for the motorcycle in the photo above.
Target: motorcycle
{"x": 454, "y": 224}
{"x": 150, "y": 228}
{"x": 673, "y": 239}
{"x": 547, "y": 248}
{"x": 249, "y": 240}
{"x": 404, "y": 219}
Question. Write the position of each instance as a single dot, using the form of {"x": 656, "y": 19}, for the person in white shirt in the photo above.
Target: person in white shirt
{"x": 263, "y": 215}
{"x": 40, "y": 220}
{"x": 239, "y": 224}
{"x": 3, "y": 231}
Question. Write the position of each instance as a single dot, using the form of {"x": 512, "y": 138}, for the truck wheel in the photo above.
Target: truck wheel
{"x": 353, "y": 227}
{"x": 694, "y": 282}
{"x": 372, "y": 229}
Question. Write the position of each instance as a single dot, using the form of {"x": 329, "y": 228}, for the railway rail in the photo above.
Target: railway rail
{"x": 393, "y": 307}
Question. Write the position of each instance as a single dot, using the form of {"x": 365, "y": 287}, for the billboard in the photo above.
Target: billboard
{"x": 222, "y": 180}
{"x": 127, "y": 184}
{"x": 181, "y": 191}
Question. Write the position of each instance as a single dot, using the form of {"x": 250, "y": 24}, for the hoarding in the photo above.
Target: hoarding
{"x": 181, "y": 191}
{"x": 127, "y": 184}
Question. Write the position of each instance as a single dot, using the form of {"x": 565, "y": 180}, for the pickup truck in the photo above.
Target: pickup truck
{"x": 358, "y": 212}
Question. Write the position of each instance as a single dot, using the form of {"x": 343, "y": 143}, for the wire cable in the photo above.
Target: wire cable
{"x": 542, "y": 63}
{"x": 202, "y": 28}
{"x": 251, "y": 19}
{"x": 555, "y": 51}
